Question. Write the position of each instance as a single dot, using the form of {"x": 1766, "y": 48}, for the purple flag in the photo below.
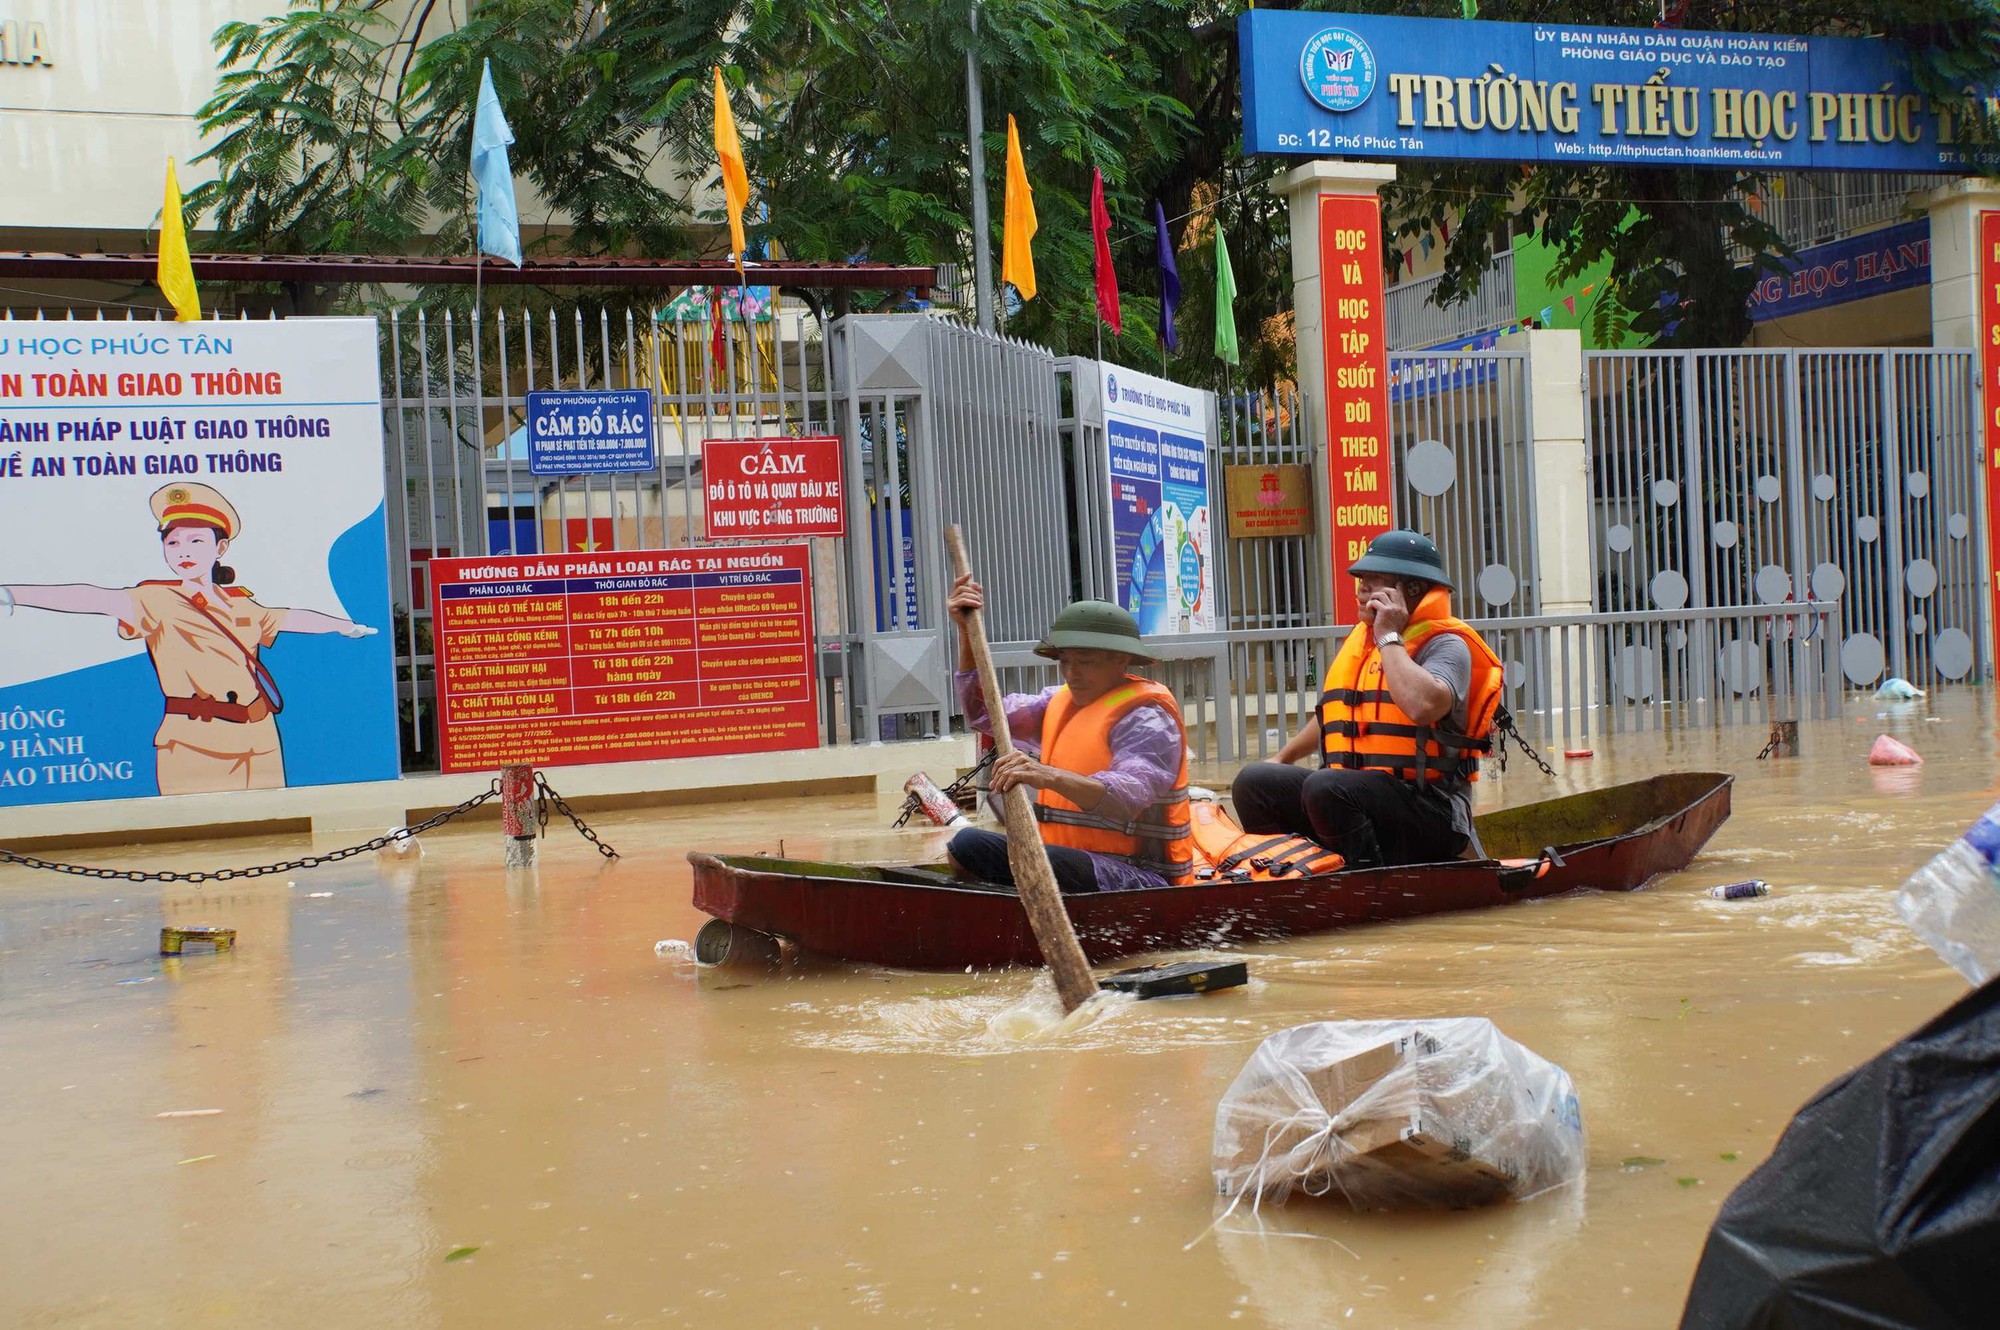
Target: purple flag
{"x": 1170, "y": 278}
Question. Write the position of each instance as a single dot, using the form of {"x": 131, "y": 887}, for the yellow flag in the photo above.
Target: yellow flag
{"x": 735, "y": 179}
{"x": 1017, "y": 235}
{"x": 176, "y": 274}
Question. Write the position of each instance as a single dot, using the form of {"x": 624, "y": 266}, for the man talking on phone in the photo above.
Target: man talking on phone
{"x": 1405, "y": 714}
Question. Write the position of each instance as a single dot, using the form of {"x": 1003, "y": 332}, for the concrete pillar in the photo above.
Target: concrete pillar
{"x": 1954, "y": 214}
{"x": 1301, "y": 189}
{"x": 1957, "y": 320}
{"x": 1560, "y": 461}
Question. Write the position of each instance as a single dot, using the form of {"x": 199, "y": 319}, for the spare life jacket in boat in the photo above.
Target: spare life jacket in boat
{"x": 1226, "y": 852}
{"x": 1361, "y": 726}
{"x": 1078, "y": 739}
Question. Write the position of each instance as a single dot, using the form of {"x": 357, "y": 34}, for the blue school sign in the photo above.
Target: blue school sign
{"x": 1363, "y": 85}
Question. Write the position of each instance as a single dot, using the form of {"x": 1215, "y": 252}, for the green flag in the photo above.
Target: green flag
{"x": 1471, "y": 8}
{"x": 1225, "y": 301}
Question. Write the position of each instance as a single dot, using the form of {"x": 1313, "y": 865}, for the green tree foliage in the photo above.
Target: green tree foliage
{"x": 336, "y": 129}
{"x": 344, "y": 126}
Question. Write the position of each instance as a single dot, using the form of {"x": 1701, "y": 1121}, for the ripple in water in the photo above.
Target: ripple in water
{"x": 1013, "y": 1018}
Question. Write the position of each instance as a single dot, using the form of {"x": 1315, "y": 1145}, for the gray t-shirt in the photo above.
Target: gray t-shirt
{"x": 1449, "y": 660}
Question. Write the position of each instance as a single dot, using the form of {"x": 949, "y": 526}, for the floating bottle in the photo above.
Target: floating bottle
{"x": 935, "y": 803}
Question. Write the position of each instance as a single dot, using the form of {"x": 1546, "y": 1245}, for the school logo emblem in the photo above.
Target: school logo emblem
{"x": 1111, "y": 387}
{"x": 1338, "y": 69}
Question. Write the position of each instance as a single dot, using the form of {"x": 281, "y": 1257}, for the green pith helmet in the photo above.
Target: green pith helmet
{"x": 1402, "y": 554}
{"x": 1094, "y": 625}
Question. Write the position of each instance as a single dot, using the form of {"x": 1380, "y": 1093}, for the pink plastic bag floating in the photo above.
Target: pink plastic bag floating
{"x": 1888, "y": 752}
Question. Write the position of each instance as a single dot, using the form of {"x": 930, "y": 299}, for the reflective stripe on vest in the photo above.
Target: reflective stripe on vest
{"x": 1078, "y": 739}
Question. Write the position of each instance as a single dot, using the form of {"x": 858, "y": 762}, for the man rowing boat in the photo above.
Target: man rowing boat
{"x": 1105, "y": 752}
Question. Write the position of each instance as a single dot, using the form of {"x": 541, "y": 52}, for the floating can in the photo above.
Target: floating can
{"x": 1737, "y": 891}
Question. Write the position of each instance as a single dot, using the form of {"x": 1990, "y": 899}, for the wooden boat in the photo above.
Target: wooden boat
{"x": 1615, "y": 839}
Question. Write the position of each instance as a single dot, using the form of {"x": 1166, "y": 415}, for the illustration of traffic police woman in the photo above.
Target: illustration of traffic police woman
{"x": 220, "y": 730}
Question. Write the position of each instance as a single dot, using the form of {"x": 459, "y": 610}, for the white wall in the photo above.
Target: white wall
{"x": 84, "y": 143}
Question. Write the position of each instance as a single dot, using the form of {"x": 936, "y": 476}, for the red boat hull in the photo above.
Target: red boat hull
{"x": 1610, "y": 840}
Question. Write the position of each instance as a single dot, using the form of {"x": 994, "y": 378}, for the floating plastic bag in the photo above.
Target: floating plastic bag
{"x": 1898, "y": 690}
{"x": 1889, "y": 752}
{"x": 1397, "y": 1115}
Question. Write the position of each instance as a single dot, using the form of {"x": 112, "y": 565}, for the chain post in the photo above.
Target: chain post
{"x": 517, "y": 816}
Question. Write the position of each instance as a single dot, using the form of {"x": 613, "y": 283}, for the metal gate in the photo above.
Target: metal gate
{"x": 454, "y": 390}
{"x": 1756, "y": 478}
{"x": 1462, "y": 429}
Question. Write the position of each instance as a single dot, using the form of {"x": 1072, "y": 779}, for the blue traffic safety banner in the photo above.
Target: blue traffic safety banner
{"x": 1360, "y": 85}
{"x": 591, "y": 432}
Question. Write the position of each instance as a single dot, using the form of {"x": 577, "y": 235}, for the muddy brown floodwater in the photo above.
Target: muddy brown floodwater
{"x": 401, "y": 1061}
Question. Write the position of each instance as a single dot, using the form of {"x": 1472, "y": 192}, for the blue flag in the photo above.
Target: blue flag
{"x": 1170, "y": 279}
{"x": 499, "y": 218}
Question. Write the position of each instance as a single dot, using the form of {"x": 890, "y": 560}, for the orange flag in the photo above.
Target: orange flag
{"x": 1017, "y": 234}
{"x": 735, "y": 179}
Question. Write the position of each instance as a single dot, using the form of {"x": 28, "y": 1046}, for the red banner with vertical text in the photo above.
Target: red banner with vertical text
{"x": 1355, "y": 345}
{"x": 1988, "y": 332}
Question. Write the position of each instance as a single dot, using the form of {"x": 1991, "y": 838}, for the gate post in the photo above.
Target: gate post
{"x": 1964, "y": 214}
{"x": 1559, "y": 496}
{"x": 1302, "y": 189}
{"x": 1559, "y": 465}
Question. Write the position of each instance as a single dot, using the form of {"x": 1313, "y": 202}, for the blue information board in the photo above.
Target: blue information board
{"x": 1363, "y": 85}
{"x": 1896, "y": 258}
{"x": 591, "y": 432}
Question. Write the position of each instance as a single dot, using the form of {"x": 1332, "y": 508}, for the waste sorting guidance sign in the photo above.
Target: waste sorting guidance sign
{"x": 587, "y": 432}
{"x": 195, "y": 598}
{"x": 1162, "y": 546}
{"x": 571, "y": 659}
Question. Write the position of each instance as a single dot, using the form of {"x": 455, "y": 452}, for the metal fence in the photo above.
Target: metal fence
{"x": 1812, "y": 207}
{"x": 1266, "y": 581}
{"x": 454, "y": 408}
{"x": 1758, "y": 478}
{"x": 1462, "y": 428}
{"x": 1414, "y": 320}
{"x": 1568, "y": 679}
{"x": 1766, "y": 524}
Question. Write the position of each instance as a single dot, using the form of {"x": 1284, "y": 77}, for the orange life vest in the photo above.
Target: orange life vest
{"x": 1225, "y": 851}
{"x": 1361, "y": 726}
{"x": 1079, "y": 739}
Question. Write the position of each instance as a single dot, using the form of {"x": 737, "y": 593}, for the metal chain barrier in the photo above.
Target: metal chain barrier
{"x": 259, "y": 870}
{"x": 1505, "y": 732}
{"x": 545, "y": 794}
{"x": 959, "y": 791}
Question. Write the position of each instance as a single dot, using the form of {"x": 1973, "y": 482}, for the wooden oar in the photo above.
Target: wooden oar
{"x": 1026, "y": 854}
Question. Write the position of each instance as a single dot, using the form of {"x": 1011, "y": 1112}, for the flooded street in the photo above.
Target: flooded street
{"x": 403, "y": 1060}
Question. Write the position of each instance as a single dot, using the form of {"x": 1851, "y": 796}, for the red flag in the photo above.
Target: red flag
{"x": 1444, "y": 230}
{"x": 1409, "y": 261}
{"x": 1107, "y": 276}
{"x": 1569, "y": 303}
{"x": 717, "y": 353}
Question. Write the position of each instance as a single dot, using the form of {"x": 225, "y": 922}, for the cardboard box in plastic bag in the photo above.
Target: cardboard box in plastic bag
{"x": 1397, "y": 1114}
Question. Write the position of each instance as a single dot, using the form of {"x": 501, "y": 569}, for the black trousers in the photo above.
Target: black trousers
{"x": 984, "y": 855}
{"x": 1369, "y": 818}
